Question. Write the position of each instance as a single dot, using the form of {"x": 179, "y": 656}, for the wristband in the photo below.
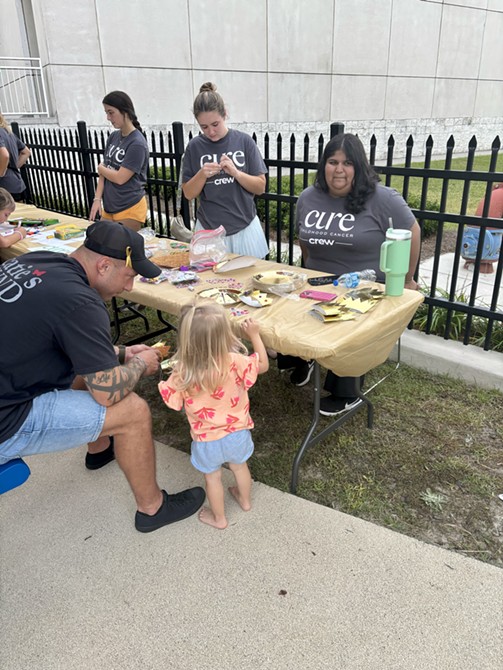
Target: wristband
{"x": 122, "y": 354}
{"x": 20, "y": 234}
{"x": 96, "y": 199}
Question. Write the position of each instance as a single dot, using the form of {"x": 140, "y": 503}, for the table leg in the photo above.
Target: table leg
{"x": 310, "y": 439}
{"x": 117, "y": 320}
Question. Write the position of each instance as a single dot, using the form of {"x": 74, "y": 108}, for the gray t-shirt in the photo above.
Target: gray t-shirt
{"x": 335, "y": 241}
{"x": 132, "y": 153}
{"x": 12, "y": 180}
{"x": 223, "y": 202}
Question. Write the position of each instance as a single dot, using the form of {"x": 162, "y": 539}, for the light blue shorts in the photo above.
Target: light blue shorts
{"x": 233, "y": 448}
{"x": 248, "y": 242}
{"x": 58, "y": 420}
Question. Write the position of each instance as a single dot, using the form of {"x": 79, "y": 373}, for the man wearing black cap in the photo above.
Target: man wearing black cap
{"x": 61, "y": 383}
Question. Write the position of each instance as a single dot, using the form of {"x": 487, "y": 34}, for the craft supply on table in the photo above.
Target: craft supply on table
{"x": 279, "y": 282}
{"x": 68, "y": 232}
{"x": 238, "y": 311}
{"x": 33, "y": 222}
{"x": 255, "y": 298}
{"x": 236, "y": 263}
{"x": 171, "y": 260}
{"x": 178, "y": 277}
{"x": 228, "y": 282}
{"x": 347, "y": 306}
{"x": 221, "y": 296}
{"x": 198, "y": 267}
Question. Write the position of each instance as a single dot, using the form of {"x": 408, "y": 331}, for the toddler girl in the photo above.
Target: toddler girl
{"x": 210, "y": 380}
{"x": 7, "y": 207}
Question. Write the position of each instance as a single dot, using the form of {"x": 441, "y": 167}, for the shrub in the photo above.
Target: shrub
{"x": 478, "y": 326}
{"x": 429, "y": 226}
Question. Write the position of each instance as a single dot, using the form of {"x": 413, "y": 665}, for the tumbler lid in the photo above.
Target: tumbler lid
{"x": 398, "y": 234}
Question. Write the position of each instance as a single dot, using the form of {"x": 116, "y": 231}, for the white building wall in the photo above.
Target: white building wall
{"x": 405, "y": 67}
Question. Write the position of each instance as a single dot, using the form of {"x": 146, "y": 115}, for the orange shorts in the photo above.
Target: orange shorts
{"x": 137, "y": 212}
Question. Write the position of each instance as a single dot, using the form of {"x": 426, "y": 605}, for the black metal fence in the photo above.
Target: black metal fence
{"x": 62, "y": 174}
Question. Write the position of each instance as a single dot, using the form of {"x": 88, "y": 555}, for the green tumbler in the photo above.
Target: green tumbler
{"x": 395, "y": 257}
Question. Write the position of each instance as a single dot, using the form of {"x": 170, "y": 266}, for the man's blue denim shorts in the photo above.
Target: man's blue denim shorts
{"x": 58, "y": 420}
{"x": 233, "y": 448}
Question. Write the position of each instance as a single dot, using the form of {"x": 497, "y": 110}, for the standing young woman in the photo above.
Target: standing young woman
{"x": 13, "y": 155}
{"x": 224, "y": 169}
{"x": 123, "y": 172}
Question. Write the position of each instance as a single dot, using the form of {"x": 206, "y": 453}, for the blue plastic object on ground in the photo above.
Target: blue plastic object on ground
{"x": 12, "y": 474}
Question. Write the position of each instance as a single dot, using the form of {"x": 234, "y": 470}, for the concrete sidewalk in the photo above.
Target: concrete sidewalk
{"x": 289, "y": 585}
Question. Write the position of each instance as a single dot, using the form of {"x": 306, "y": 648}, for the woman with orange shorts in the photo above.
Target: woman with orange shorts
{"x": 123, "y": 172}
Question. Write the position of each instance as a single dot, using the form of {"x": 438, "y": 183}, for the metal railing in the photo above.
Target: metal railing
{"x": 22, "y": 87}
{"x": 61, "y": 176}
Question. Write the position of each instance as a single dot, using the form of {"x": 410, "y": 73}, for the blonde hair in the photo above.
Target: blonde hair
{"x": 208, "y": 100}
{"x": 4, "y": 123}
{"x": 205, "y": 340}
{"x": 6, "y": 201}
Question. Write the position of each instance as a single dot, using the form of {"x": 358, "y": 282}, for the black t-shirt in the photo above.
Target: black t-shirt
{"x": 53, "y": 325}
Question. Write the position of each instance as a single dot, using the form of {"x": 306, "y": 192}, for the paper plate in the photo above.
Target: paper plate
{"x": 224, "y": 296}
{"x": 255, "y": 298}
{"x": 279, "y": 281}
{"x": 235, "y": 264}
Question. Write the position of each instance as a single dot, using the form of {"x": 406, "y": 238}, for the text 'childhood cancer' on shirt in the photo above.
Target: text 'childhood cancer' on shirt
{"x": 335, "y": 241}
{"x": 223, "y": 201}
{"x": 54, "y": 326}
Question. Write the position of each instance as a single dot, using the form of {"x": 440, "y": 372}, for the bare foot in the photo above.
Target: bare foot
{"x": 244, "y": 504}
{"x": 207, "y": 516}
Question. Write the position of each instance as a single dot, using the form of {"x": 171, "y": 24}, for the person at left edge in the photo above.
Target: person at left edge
{"x": 123, "y": 171}
{"x": 70, "y": 385}
{"x": 13, "y": 155}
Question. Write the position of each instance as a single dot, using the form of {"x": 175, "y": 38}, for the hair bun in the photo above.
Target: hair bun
{"x": 207, "y": 86}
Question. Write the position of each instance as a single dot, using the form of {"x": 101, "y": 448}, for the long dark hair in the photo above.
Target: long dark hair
{"x": 365, "y": 179}
{"x": 124, "y": 104}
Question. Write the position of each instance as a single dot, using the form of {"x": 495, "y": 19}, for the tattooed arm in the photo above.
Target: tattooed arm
{"x": 109, "y": 387}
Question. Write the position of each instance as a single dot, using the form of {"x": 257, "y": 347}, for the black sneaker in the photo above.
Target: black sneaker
{"x": 97, "y": 461}
{"x": 286, "y": 362}
{"x": 302, "y": 373}
{"x": 175, "y": 507}
{"x": 331, "y": 405}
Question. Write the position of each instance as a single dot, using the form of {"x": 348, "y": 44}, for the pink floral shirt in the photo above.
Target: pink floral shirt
{"x": 214, "y": 415}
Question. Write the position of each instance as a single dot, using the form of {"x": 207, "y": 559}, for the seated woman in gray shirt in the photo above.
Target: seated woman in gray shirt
{"x": 341, "y": 223}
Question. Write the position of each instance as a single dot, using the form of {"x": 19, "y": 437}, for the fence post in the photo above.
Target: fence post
{"x": 336, "y": 128}
{"x": 179, "y": 147}
{"x": 86, "y": 163}
{"x": 23, "y": 171}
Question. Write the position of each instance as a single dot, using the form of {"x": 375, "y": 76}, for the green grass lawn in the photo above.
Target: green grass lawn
{"x": 477, "y": 189}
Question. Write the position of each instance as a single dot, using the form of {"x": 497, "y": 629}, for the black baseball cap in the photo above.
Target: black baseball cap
{"x": 110, "y": 238}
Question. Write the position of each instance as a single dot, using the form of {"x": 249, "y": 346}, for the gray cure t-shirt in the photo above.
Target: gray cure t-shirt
{"x": 335, "y": 241}
{"x": 132, "y": 153}
{"x": 223, "y": 202}
{"x": 12, "y": 180}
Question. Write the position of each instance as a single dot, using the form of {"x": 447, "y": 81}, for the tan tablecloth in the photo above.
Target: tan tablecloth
{"x": 349, "y": 348}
